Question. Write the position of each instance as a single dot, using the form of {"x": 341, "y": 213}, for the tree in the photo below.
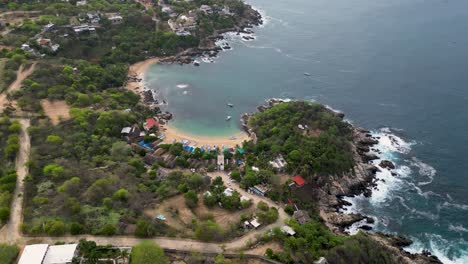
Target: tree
{"x": 4, "y": 214}
{"x": 235, "y": 175}
{"x": 144, "y": 229}
{"x": 53, "y": 170}
{"x": 8, "y": 253}
{"x": 209, "y": 231}
{"x": 191, "y": 199}
{"x": 209, "y": 199}
{"x": 195, "y": 181}
{"x": 108, "y": 230}
{"x": 55, "y": 228}
{"x": 121, "y": 195}
{"x": 220, "y": 259}
{"x": 148, "y": 252}
{"x": 262, "y": 206}
{"x": 76, "y": 228}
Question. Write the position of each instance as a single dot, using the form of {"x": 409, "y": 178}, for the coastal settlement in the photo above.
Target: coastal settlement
{"x": 86, "y": 161}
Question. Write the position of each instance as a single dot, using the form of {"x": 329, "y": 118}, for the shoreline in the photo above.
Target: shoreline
{"x": 171, "y": 133}
{"x": 136, "y": 74}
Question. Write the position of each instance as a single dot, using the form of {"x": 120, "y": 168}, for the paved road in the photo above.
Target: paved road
{"x": 11, "y": 233}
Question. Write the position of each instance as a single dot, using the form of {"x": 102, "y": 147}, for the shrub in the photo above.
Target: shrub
{"x": 108, "y": 230}
{"x": 55, "y": 228}
{"x": 191, "y": 199}
{"x": 148, "y": 252}
{"x": 8, "y": 253}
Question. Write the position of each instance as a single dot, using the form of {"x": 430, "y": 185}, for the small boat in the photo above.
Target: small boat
{"x": 228, "y": 118}
{"x": 196, "y": 63}
{"x": 230, "y": 105}
{"x": 306, "y": 74}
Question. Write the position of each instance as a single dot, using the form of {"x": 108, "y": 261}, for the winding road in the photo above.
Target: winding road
{"x": 11, "y": 233}
{"x": 21, "y": 75}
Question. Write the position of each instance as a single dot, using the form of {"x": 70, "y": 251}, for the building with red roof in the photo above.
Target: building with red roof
{"x": 298, "y": 180}
{"x": 150, "y": 123}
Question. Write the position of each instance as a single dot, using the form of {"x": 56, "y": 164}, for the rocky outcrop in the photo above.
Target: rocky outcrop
{"x": 387, "y": 164}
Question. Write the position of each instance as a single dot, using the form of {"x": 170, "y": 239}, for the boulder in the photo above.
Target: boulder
{"x": 387, "y": 164}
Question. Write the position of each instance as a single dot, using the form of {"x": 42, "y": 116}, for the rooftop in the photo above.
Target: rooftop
{"x": 298, "y": 180}
{"x": 60, "y": 254}
{"x": 33, "y": 254}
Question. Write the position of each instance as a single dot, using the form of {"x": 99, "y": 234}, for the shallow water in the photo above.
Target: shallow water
{"x": 395, "y": 67}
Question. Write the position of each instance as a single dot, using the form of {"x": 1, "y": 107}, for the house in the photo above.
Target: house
{"x": 61, "y": 254}
{"x": 279, "y": 163}
{"x": 228, "y": 192}
{"x": 81, "y": 3}
{"x": 84, "y": 28}
{"x": 321, "y": 260}
{"x": 93, "y": 17}
{"x": 226, "y": 11}
{"x": 45, "y": 254}
{"x": 33, "y": 254}
{"x": 48, "y": 27}
{"x": 301, "y": 216}
{"x": 150, "y": 123}
{"x": 298, "y": 180}
{"x": 254, "y": 223}
{"x": 288, "y": 230}
{"x": 244, "y": 198}
{"x": 255, "y": 169}
{"x": 206, "y": 9}
{"x": 258, "y": 189}
{"x": 115, "y": 20}
{"x": 220, "y": 162}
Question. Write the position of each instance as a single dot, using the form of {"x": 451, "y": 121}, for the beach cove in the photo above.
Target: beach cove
{"x": 397, "y": 74}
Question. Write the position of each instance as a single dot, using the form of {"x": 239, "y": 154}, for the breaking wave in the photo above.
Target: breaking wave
{"x": 441, "y": 248}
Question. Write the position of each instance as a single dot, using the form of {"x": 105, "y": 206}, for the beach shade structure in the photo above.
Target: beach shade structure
{"x": 298, "y": 180}
{"x": 241, "y": 150}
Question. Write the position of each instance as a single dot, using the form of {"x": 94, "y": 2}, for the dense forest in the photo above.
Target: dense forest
{"x": 311, "y": 138}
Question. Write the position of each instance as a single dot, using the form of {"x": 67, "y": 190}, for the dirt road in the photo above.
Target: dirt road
{"x": 21, "y": 75}
{"x": 11, "y": 231}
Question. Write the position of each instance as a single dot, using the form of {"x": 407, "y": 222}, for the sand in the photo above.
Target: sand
{"x": 56, "y": 110}
{"x": 138, "y": 71}
{"x": 172, "y": 133}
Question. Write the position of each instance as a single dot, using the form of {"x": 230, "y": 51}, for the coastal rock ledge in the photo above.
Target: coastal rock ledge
{"x": 360, "y": 181}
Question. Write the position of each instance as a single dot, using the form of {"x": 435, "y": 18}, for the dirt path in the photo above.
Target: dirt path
{"x": 21, "y": 75}
{"x": 11, "y": 231}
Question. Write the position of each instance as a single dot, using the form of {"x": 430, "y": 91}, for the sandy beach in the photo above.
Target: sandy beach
{"x": 172, "y": 133}
{"x": 138, "y": 71}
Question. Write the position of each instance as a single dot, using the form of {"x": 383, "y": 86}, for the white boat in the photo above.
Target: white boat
{"x": 196, "y": 63}
{"x": 306, "y": 74}
{"x": 230, "y": 105}
{"x": 228, "y": 118}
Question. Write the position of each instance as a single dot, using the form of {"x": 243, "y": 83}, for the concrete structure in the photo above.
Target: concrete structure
{"x": 115, "y": 20}
{"x": 33, "y": 254}
{"x": 288, "y": 230}
{"x": 220, "y": 162}
{"x": 61, "y": 254}
{"x": 279, "y": 163}
{"x": 228, "y": 192}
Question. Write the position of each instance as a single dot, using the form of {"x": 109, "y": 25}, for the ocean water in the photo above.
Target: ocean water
{"x": 398, "y": 68}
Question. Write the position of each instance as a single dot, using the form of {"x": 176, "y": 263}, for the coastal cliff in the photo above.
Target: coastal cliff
{"x": 360, "y": 179}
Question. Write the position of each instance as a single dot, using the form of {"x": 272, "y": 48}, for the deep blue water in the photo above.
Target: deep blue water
{"x": 399, "y": 68}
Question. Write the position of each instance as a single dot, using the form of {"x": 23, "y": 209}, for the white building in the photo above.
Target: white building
{"x": 288, "y": 230}
{"x": 61, "y": 254}
{"x": 33, "y": 254}
{"x": 45, "y": 254}
{"x": 221, "y": 162}
{"x": 115, "y": 20}
{"x": 228, "y": 192}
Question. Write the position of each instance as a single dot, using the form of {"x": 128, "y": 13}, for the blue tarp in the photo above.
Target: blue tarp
{"x": 146, "y": 145}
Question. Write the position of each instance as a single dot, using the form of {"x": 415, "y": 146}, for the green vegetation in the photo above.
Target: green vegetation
{"x": 91, "y": 252}
{"x": 9, "y": 130}
{"x": 321, "y": 148}
{"x": 8, "y": 253}
{"x": 149, "y": 253}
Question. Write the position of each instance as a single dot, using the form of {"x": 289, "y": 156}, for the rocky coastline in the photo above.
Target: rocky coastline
{"x": 208, "y": 47}
{"x": 330, "y": 195}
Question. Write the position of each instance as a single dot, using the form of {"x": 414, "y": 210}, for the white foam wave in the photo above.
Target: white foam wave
{"x": 424, "y": 170}
{"x": 455, "y": 205}
{"x": 439, "y": 247}
{"x": 458, "y": 228}
{"x": 182, "y": 86}
{"x": 389, "y": 142}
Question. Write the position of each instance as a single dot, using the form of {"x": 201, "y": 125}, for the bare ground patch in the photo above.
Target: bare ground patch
{"x": 260, "y": 250}
{"x": 56, "y": 110}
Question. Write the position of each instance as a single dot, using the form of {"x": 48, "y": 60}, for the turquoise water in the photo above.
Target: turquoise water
{"x": 395, "y": 67}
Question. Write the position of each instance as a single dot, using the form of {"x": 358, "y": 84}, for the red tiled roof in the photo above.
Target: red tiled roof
{"x": 298, "y": 180}
{"x": 150, "y": 122}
